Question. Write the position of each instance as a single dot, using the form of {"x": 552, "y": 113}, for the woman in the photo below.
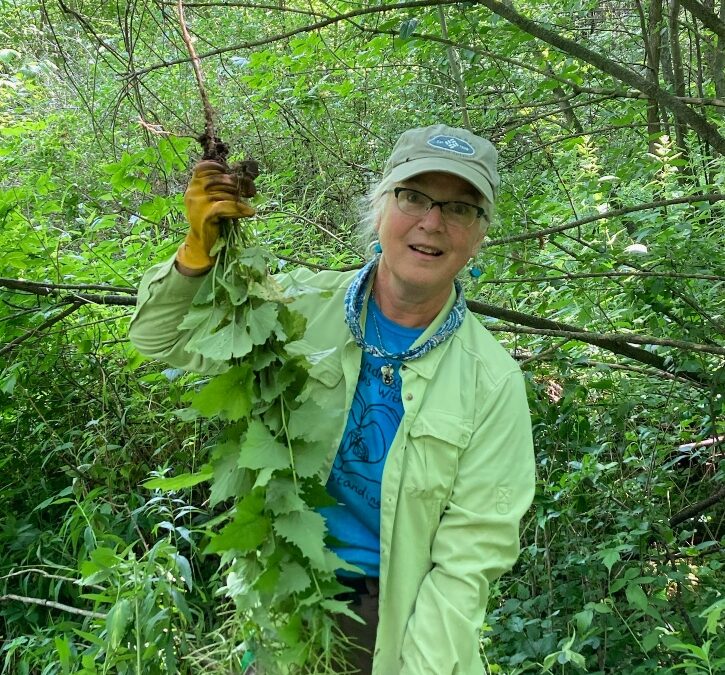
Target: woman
{"x": 432, "y": 463}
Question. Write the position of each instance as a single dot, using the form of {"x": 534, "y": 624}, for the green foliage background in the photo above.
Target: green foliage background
{"x": 621, "y": 566}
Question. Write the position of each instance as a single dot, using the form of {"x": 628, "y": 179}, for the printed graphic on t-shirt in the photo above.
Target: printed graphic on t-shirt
{"x": 371, "y": 430}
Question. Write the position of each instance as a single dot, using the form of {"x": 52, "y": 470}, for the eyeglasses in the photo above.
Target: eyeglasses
{"x": 455, "y": 214}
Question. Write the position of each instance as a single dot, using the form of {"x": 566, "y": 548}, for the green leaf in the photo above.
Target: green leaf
{"x": 282, "y": 496}
{"x": 291, "y": 631}
{"x": 583, "y": 619}
{"x": 609, "y": 557}
{"x": 407, "y": 28}
{"x": 261, "y": 450}
{"x": 309, "y": 421}
{"x": 184, "y": 480}
{"x": 310, "y": 458}
{"x": 291, "y": 325}
{"x": 248, "y": 529}
{"x": 184, "y": 570}
{"x": 202, "y": 319}
{"x": 292, "y": 579}
{"x": 256, "y": 258}
{"x": 228, "y": 395}
{"x": 261, "y": 321}
{"x": 230, "y": 341}
{"x": 636, "y": 596}
{"x": 236, "y": 288}
{"x": 117, "y": 619}
{"x": 181, "y": 604}
{"x": 228, "y": 477}
{"x": 62, "y": 646}
{"x": 651, "y": 640}
{"x": 306, "y": 530}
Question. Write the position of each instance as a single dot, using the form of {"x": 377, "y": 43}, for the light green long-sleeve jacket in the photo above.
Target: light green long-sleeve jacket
{"x": 458, "y": 477}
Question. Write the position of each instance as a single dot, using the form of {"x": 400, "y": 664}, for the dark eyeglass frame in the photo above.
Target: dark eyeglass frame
{"x": 480, "y": 211}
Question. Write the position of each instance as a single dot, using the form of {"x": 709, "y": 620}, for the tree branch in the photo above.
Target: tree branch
{"x": 51, "y": 603}
{"x": 46, "y": 324}
{"x": 47, "y": 288}
{"x": 713, "y": 197}
{"x": 709, "y": 19}
{"x": 634, "y": 353}
{"x": 706, "y": 130}
{"x": 601, "y": 275}
{"x": 614, "y": 338}
{"x": 697, "y": 508}
{"x": 296, "y": 31}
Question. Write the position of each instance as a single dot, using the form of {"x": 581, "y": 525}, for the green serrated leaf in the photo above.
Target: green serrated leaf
{"x": 228, "y": 477}
{"x": 228, "y": 395}
{"x": 341, "y": 607}
{"x": 218, "y": 245}
{"x": 228, "y": 342}
{"x": 205, "y": 294}
{"x": 268, "y": 580}
{"x": 255, "y": 258}
{"x": 263, "y": 477}
{"x": 261, "y": 450}
{"x": 282, "y": 496}
{"x": 309, "y": 421}
{"x": 310, "y": 458}
{"x": 291, "y": 325}
{"x": 235, "y": 287}
{"x": 306, "y": 530}
{"x": 292, "y": 579}
{"x": 261, "y": 321}
{"x": 268, "y": 289}
{"x": 248, "y": 529}
{"x": 203, "y": 319}
{"x": 609, "y": 557}
{"x": 583, "y": 619}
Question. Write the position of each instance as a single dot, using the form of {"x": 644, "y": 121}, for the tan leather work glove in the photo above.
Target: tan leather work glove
{"x": 212, "y": 195}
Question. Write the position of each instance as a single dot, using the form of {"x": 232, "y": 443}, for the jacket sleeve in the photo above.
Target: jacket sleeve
{"x": 164, "y": 298}
{"x": 477, "y": 539}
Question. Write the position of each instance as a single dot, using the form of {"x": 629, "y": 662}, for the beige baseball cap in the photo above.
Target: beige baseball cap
{"x": 447, "y": 149}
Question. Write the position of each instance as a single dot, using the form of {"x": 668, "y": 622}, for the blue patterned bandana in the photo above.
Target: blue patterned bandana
{"x": 355, "y": 298}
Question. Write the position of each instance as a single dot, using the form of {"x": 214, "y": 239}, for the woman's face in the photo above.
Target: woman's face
{"x": 422, "y": 255}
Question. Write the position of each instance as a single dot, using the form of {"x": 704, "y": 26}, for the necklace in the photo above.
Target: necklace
{"x": 387, "y": 370}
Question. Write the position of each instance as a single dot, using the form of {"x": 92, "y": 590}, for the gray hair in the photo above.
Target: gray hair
{"x": 371, "y": 207}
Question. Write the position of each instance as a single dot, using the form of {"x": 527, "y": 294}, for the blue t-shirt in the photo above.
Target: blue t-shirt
{"x": 357, "y": 471}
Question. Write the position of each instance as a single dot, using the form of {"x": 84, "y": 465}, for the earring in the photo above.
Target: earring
{"x": 475, "y": 271}
{"x": 375, "y": 246}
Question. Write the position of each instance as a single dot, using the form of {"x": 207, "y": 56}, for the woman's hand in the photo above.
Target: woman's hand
{"x": 212, "y": 196}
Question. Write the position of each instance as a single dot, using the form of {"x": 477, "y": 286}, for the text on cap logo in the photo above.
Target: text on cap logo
{"x": 452, "y": 144}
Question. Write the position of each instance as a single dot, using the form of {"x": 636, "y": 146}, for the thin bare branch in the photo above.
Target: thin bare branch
{"x": 712, "y": 197}
{"x": 46, "y": 324}
{"x": 50, "y": 603}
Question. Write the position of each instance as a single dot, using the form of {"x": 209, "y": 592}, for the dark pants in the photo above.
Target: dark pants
{"x": 364, "y": 602}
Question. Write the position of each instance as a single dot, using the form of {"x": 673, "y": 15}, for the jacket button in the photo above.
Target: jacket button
{"x": 409, "y": 397}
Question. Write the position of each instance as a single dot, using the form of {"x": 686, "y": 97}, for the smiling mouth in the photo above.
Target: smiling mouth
{"x": 427, "y": 250}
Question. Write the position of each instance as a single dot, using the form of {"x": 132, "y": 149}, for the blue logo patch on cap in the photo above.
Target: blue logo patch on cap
{"x": 452, "y": 144}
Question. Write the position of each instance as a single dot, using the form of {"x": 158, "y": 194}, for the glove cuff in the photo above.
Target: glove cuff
{"x": 189, "y": 255}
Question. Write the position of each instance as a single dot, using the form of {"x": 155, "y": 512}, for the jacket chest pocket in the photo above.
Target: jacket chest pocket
{"x": 435, "y": 442}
